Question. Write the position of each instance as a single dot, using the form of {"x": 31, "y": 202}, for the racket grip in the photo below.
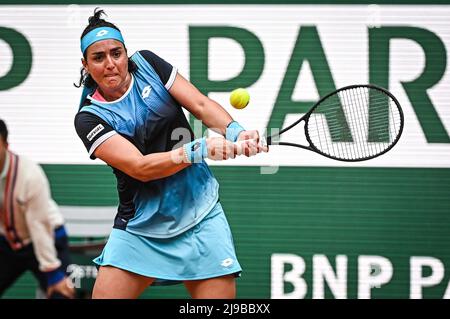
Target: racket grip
{"x": 264, "y": 141}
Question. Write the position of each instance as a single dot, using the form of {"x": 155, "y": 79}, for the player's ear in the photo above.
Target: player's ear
{"x": 85, "y": 66}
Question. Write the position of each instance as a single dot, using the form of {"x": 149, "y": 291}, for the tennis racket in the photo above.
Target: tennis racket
{"x": 354, "y": 123}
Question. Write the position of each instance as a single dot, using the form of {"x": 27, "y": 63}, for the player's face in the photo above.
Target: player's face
{"x": 107, "y": 63}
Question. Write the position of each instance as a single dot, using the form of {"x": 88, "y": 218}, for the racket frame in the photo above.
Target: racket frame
{"x": 307, "y": 115}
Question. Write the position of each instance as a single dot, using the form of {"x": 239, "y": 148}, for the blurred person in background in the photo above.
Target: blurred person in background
{"x": 32, "y": 233}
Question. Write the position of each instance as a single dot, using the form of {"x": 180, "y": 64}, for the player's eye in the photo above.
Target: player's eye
{"x": 98, "y": 58}
{"x": 117, "y": 54}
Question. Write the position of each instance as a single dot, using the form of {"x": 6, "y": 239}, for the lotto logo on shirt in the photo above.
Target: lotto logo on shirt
{"x": 146, "y": 91}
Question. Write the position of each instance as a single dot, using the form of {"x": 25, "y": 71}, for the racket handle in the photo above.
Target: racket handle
{"x": 264, "y": 141}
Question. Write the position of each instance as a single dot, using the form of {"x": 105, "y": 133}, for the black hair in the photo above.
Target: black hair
{"x": 3, "y": 131}
{"x": 96, "y": 21}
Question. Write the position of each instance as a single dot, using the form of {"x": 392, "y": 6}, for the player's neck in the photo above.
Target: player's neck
{"x": 112, "y": 95}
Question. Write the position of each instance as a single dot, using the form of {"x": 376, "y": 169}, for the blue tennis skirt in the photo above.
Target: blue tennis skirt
{"x": 204, "y": 251}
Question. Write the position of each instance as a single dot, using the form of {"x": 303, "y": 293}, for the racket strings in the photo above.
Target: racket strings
{"x": 355, "y": 124}
{"x": 361, "y": 149}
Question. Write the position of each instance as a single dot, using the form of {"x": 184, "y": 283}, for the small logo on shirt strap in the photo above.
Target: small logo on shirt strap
{"x": 94, "y": 132}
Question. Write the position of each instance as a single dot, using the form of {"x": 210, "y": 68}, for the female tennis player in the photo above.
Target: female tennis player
{"x": 170, "y": 226}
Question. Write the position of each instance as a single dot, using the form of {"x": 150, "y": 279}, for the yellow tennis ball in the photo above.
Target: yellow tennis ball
{"x": 239, "y": 98}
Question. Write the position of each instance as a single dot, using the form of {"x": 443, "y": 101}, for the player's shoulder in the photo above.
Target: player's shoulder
{"x": 147, "y": 54}
{"x": 163, "y": 68}
{"x": 154, "y": 59}
{"x": 84, "y": 116}
{"x": 85, "y": 122}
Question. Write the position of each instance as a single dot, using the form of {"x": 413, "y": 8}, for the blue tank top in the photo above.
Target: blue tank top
{"x": 147, "y": 115}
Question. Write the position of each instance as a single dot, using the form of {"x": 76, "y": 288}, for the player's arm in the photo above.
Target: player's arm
{"x": 213, "y": 115}
{"x": 123, "y": 155}
{"x": 202, "y": 107}
{"x": 103, "y": 142}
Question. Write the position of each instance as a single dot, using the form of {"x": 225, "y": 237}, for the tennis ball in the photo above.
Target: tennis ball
{"x": 239, "y": 98}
